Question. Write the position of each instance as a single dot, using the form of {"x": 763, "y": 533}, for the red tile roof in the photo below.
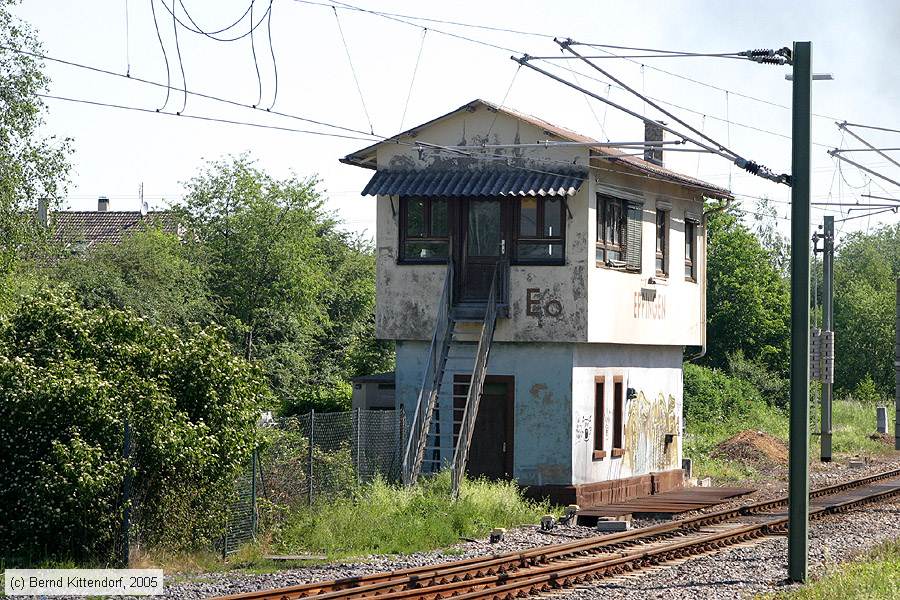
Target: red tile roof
{"x": 107, "y": 227}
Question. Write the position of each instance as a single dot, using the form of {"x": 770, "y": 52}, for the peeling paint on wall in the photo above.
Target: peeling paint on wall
{"x": 647, "y": 421}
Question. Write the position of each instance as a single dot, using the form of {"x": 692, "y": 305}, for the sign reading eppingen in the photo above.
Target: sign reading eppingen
{"x": 83, "y": 582}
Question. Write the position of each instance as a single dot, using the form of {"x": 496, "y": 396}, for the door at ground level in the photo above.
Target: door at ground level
{"x": 491, "y": 451}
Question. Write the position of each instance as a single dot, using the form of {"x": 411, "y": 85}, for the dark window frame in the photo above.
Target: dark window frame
{"x": 599, "y": 417}
{"x": 690, "y": 254}
{"x": 605, "y": 246}
{"x": 662, "y": 235}
{"x": 404, "y": 238}
{"x": 540, "y": 237}
{"x": 618, "y": 420}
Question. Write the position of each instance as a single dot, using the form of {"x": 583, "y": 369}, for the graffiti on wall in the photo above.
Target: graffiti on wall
{"x": 649, "y": 304}
{"x": 647, "y": 422}
{"x": 583, "y": 428}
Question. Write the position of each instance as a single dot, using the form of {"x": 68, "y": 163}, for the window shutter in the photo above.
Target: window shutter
{"x": 634, "y": 220}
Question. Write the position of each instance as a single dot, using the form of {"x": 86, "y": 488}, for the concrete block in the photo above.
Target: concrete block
{"x": 705, "y": 482}
{"x": 607, "y": 526}
{"x": 857, "y": 463}
{"x": 881, "y": 419}
{"x": 497, "y": 535}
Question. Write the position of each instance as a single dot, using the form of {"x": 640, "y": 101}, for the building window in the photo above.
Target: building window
{"x": 619, "y": 225}
{"x": 618, "y": 421}
{"x": 662, "y": 243}
{"x": 540, "y": 231}
{"x": 599, "y": 417}
{"x": 424, "y": 230}
{"x": 690, "y": 250}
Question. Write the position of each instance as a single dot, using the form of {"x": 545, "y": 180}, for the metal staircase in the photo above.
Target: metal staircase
{"x": 460, "y": 346}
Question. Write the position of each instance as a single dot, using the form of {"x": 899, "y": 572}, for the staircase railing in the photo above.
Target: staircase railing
{"x": 476, "y": 382}
{"x": 420, "y": 423}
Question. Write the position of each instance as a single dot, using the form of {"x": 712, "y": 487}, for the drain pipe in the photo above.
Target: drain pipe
{"x": 703, "y": 285}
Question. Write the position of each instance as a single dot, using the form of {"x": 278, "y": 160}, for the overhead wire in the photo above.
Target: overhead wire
{"x": 168, "y": 85}
{"x": 362, "y": 98}
{"x": 180, "y": 62}
{"x": 255, "y": 62}
{"x": 412, "y": 80}
{"x": 502, "y": 102}
{"x": 127, "y": 43}
{"x": 218, "y": 31}
{"x": 199, "y": 31}
{"x": 396, "y": 17}
{"x": 274, "y": 62}
{"x": 204, "y": 118}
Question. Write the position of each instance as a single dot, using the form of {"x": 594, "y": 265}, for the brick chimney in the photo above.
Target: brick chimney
{"x": 42, "y": 211}
{"x": 102, "y": 204}
{"x": 653, "y": 133}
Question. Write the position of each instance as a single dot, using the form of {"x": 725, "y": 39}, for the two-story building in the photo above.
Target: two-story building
{"x": 587, "y": 264}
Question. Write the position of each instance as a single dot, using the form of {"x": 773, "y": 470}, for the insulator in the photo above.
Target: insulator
{"x": 759, "y": 52}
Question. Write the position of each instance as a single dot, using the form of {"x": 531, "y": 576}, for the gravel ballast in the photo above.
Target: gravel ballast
{"x": 736, "y": 572}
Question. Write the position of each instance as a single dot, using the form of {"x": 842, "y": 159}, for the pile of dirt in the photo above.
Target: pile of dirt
{"x": 755, "y": 447}
{"x": 886, "y": 438}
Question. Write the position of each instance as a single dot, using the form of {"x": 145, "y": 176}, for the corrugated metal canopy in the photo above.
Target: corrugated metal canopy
{"x": 474, "y": 182}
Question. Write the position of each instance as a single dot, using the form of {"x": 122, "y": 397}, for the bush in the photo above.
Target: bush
{"x": 713, "y": 396}
{"x": 773, "y": 388}
{"x": 383, "y": 518}
{"x": 70, "y": 378}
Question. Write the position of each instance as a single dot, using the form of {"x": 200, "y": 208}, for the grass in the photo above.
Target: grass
{"x": 875, "y": 576}
{"x": 381, "y": 518}
{"x": 852, "y": 424}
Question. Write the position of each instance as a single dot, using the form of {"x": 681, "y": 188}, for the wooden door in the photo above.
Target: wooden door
{"x": 491, "y": 451}
{"x": 484, "y": 241}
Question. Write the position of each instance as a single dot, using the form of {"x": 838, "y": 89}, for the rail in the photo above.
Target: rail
{"x": 476, "y": 382}
{"x": 420, "y": 423}
{"x": 516, "y": 574}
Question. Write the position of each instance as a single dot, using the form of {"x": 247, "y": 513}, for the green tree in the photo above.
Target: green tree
{"x": 32, "y": 166}
{"x": 150, "y": 272}
{"x": 865, "y": 271}
{"x": 297, "y": 293}
{"x": 70, "y": 378}
{"x": 748, "y": 301}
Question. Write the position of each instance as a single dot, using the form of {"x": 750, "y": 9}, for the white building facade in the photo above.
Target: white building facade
{"x": 600, "y": 281}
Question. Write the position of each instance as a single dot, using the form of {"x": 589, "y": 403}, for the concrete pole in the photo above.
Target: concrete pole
{"x": 827, "y": 319}
{"x": 798, "y": 467}
{"x": 897, "y": 373}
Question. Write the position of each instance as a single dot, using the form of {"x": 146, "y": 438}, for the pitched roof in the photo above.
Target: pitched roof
{"x": 107, "y": 227}
{"x": 365, "y": 157}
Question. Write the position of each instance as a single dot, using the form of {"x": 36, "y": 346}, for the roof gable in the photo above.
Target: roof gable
{"x": 366, "y": 156}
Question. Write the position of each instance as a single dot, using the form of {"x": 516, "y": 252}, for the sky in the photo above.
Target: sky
{"x": 410, "y": 73}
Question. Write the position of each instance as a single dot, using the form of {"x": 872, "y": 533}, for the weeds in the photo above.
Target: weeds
{"x": 381, "y": 518}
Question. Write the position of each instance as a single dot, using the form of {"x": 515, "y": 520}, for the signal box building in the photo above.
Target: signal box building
{"x": 575, "y": 274}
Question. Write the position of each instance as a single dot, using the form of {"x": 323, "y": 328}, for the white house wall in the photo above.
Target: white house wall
{"x": 655, "y": 374}
{"x": 621, "y": 311}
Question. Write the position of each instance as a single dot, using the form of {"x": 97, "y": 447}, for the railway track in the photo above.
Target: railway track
{"x": 516, "y": 574}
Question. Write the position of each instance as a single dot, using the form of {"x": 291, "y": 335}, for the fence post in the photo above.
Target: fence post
{"x": 253, "y": 515}
{"x": 126, "y": 496}
{"x": 309, "y": 467}
{"x": 358, "y": 445}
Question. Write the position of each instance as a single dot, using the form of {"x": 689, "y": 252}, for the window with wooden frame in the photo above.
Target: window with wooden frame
{"x": 540, "y": 231}
{"x": 618, "y": 421}
{"x": 662, "y": 242}
{"x": 599, "y": 417}
{"x": 690, "y": 250}
{"x": 424, "y": 230}
{"x": 619, "y": 226}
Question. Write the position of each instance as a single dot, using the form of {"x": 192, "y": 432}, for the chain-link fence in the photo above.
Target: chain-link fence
{"x": 315, "y": 456}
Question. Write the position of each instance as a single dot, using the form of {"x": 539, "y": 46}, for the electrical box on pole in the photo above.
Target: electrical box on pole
{"x": 798, "y": 473}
